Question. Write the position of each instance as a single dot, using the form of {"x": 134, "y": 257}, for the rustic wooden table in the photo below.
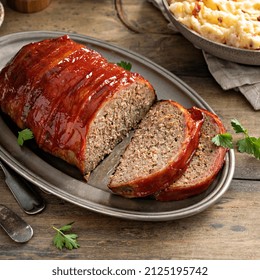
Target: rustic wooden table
{"x": 228, "y": 230}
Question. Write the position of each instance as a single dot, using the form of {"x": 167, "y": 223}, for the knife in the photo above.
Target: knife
{"x": 24, "y": 192}
{"x": 14, "y": 225}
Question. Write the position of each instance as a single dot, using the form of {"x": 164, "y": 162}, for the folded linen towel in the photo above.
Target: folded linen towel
{"x": 229, "y": 75}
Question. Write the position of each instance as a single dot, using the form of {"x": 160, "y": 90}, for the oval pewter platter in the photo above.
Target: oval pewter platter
{"x": 229, "y": 53}
{"x": 60, "y": 179}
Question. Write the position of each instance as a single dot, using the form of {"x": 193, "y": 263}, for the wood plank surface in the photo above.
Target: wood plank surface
{"x": 227, "y": 230}
{"x": 230, "y": 229}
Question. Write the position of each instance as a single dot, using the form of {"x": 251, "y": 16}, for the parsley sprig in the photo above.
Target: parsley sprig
{"x": 25, "y": 134}
{"x": 248, "y": 144}
{"x": 63, "y": 239}
{"x": 125, "y": 65}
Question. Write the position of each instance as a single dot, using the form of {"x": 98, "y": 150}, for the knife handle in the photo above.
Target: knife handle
{"x": 14, "y": 225}
{"x": 24, "y": 192}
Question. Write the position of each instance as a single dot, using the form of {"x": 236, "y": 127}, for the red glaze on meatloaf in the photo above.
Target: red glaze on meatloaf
{"x": 78, "y": 105}
{"x": 203, "y": 167}
{"x": 159, "y": 151}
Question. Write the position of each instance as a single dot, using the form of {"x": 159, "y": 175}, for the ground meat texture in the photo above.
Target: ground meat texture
{"x": 77, "y": 104}
{"x": 114, "y": 120}
{"x": 204, "y": 165}
{"x": 158, "y": 152}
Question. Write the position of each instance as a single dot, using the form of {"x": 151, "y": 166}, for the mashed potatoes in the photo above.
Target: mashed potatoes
{"x": 232, "y": 22}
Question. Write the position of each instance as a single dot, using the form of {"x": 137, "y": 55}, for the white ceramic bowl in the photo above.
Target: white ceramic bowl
{"x": 243, "y": 56}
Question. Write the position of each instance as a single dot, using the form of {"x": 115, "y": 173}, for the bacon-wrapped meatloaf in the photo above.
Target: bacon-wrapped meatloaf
{"x": 204, "y": 166}
{"x": 159, "y": 151}
{"x": 78, "y": 105}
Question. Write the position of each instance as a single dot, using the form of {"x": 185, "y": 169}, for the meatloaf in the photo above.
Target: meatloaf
{"x": 204, "y": 165}
{"x": 77, "y": 104}
{"x": 159, "y": 151}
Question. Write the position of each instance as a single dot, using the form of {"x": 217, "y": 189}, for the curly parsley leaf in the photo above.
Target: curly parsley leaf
{"x": 248, "y": 144}
{"x": 63, "y": 239}
{"x": 125, "y": 65}
{"x": 25, "y": 134}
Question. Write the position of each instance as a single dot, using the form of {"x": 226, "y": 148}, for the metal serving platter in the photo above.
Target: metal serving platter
{"x": 233, "y": 54}
{"x": 56, "y": 177}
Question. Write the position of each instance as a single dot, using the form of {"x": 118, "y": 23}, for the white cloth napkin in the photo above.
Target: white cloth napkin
{"x": 229, "y": 75}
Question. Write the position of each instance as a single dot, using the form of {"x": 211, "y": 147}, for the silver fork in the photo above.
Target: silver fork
{"x": 24, "y": 192}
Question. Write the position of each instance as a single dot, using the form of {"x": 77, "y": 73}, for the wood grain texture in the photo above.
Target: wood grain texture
{"x": 231, "y": 228}
{"x": 228, "y": 230}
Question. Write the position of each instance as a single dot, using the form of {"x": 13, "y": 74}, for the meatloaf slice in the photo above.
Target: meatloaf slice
{"x": 204, "y": 165}
{"x": 78, "y": 104}
{"x": 159, "y": 150}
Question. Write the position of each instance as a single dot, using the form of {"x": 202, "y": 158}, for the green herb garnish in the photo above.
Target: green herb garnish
{"x": 224, "y": 140}
{"x": 24, "y": 135}
{"x": 125, "y": 65}
{"x": 63, "y": 239}
{"x": 248, "y": 144}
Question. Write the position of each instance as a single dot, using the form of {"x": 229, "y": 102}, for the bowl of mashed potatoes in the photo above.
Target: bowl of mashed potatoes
{"x": 227, "y": 29}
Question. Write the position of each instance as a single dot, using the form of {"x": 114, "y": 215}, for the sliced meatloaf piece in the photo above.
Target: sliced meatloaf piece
{"x": 159, "y": 150}
{"x": 204, "y": 165}
{"x": 78, "y": 105}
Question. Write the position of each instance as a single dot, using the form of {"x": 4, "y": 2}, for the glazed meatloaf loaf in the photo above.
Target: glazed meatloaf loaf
{"x": 77, "y": 104}
{"x": 159, "y": 151}
{"x": 204, "y": 165}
